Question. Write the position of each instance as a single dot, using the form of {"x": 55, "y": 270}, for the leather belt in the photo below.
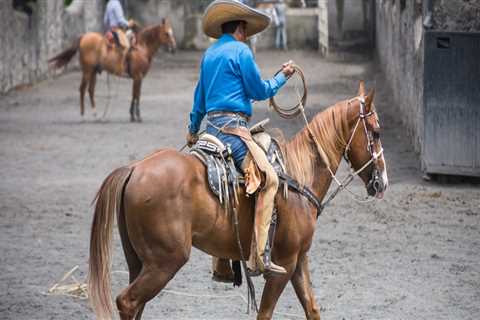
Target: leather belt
{"x": 230, "y": 114}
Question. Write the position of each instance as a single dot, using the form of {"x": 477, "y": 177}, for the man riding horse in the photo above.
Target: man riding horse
{"x": 118, "y": 29}
{"x": 229, "y": 81}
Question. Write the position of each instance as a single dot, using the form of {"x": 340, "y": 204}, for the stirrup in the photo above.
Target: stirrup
{"x": 273, "y": 269}
{"x": 269, "y": 268}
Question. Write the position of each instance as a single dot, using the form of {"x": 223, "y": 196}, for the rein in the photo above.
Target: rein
{"x": 289, "y": 113}
{"x": 353, "y": 173}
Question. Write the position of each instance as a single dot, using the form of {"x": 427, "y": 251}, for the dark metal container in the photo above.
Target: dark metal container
{"x": 451, "y": 143}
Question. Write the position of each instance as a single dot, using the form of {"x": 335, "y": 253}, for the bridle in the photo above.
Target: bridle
{"x": 374, "y": 182}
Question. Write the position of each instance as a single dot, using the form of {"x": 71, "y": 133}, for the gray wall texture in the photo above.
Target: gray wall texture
{"x": 400, "y": 48}
{"x": 27, "y": 45}
{"x": 186, "y": 17}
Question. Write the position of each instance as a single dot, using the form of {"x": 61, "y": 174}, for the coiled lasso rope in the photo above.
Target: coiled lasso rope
{"x": 292, "y": 112}
{"x": 299, "y": 108}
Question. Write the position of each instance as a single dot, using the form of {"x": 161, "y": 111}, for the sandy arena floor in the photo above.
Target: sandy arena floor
{"x": 413, "y": 255}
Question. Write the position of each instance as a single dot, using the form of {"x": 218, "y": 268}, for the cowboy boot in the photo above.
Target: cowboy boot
{"x": 269, "y": 267}
{"x": 259, "y": 263}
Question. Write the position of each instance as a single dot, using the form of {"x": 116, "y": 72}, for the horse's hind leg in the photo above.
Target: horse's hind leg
{"x": 83, "y": 86}
{"x": 221, "y": 270}
{"x": 133, "y": 261}
{"x": 91, "y": 92}
{"x": 302, "y": 285}
{"x": 132, "y": 111}
{"x": 152, "y": 279}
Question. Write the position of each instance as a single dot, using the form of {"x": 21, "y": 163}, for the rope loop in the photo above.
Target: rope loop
{"x": 292, "y": 112}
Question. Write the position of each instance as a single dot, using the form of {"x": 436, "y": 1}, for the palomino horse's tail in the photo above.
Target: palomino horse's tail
{"x": 108, "y": 201}
{"x": 65, "y": 56}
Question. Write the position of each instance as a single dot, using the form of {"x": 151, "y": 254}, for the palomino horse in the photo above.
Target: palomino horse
{"x": 97, "y": 55}
{"x": 164, "y": 206}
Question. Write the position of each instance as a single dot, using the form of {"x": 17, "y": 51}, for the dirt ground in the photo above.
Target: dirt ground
{"x": 413, "y": 255}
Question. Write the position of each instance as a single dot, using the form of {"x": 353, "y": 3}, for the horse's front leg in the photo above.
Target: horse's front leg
{"x": 137, "y": 89}
{"x": 132, "y": 104}
{"x": 303, "y": 288}
{"x": 135, "y": 105}
{"x": 272, "y": 291}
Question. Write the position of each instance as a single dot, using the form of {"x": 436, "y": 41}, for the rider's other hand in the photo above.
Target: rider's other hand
{"x": 132, "y": 24}
{"x": 287, "y": 68}
{"x": 192, "y": 138}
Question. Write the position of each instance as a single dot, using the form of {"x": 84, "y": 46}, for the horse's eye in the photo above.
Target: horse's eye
{"x": 376, "y": 135}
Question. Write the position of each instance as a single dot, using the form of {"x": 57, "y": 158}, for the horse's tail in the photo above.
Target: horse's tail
{"x": 108, "y": 201}
{"x": 65, "y": 56}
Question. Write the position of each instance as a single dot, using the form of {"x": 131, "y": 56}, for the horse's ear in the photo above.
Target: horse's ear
{"x": 164, "y": 21}
{"x": 361, "y": 88}
{"x": 369, "y": 98}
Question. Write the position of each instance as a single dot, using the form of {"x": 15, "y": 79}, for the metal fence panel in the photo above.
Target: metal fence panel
{"x": 452, "y": 103}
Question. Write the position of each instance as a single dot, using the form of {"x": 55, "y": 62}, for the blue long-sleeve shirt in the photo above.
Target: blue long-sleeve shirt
{"x": 114, "y": 17}
{"x": 229, "y": 80}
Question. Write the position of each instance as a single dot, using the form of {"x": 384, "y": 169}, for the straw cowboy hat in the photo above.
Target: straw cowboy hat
{"x": 222, "y": 11}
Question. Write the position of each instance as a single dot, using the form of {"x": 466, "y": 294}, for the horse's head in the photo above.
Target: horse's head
{"x": 364, "y": 150}
{"x": 166, "y": 35}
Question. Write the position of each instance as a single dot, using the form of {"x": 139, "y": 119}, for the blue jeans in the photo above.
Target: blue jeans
{"x": 281, "y": 37}
{"x": 238, "y": 147}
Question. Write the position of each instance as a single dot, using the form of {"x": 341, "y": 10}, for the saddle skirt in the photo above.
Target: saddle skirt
{"x": 223, "y": 177}
{"x": 118, "y": 37}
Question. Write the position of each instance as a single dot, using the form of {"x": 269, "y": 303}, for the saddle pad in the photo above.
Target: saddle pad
{"x": 224, "y": 176}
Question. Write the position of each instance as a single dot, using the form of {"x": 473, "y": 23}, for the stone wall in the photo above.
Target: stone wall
{"x": 456, "y": 15}
{"x": 350, "y": 23}
{"x": 28, "y": 42}
{"x": 302, "y": 30}
{"x": 400, "y": 49}
{"x": 151, "y": 12}
{"x": 186, "y": 17}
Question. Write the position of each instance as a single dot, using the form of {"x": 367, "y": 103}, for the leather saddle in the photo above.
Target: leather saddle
{"x": 223, "y": 177}
{"x": 124, "y": 43}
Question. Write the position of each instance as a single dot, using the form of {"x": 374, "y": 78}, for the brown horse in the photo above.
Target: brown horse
{"x": 164, "y": 206}
{"x": 96, "y": 55}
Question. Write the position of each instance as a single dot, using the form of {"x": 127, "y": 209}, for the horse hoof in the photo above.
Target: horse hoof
{"x": 222, "y": 278}
{"x": 132, "y": 119}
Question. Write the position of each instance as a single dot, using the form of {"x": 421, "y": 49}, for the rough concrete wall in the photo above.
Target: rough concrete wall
{"x": 151, "y": 12}
{"x": 399, "y": 40}
{"x": 456, "y": 15}
{"x": 351, "y": 24}
{"x": 186, "y": 17}
{"x": 27, "y": 45}
{"x": 302, "y": 30}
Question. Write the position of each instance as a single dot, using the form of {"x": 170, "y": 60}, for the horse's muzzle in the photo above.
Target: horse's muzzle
{"x": 376, "y": 186}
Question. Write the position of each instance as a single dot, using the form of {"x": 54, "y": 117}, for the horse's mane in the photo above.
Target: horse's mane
{"x": 329, "y": 127}
{"x": 149, "y": 34}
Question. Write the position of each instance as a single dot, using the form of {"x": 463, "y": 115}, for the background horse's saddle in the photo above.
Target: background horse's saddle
{"x": 223, "y": 176}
